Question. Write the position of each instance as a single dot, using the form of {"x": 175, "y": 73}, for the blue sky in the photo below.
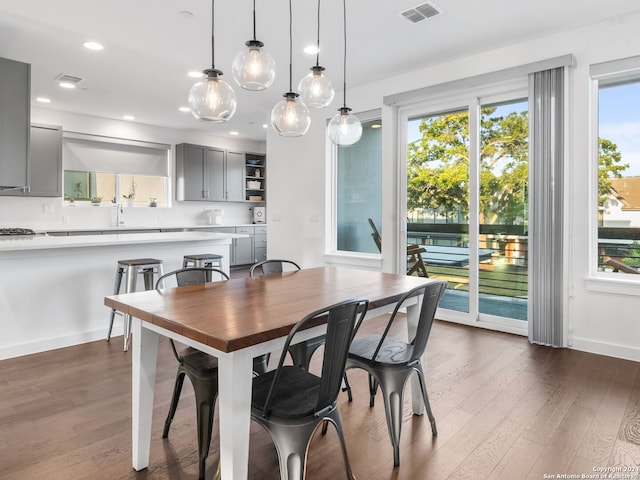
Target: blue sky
{"x": 619, "y": 112}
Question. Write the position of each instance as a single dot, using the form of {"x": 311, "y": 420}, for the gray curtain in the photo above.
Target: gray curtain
{"x": 546, "y": 193}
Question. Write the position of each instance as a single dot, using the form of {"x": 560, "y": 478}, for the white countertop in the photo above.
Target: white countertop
{"x": 45, "y": 242}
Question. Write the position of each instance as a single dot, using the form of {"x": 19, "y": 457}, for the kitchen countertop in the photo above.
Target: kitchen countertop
{"x": 165, "y": 228}
{"x": 45, "y": 242}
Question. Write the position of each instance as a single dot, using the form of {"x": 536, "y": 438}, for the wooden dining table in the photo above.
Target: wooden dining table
{"x": 237, "y": 320}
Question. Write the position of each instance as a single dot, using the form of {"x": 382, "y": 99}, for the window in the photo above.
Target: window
{"x": 358, "y": 186}
{"x": 616, "y": 147}
{"x": 104, "y": 169}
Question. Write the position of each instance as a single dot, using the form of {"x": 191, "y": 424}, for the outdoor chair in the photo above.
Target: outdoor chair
{"x": 415, "y": 262}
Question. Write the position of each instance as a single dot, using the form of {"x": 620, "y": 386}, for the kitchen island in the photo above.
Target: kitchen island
{"x": 52, "y": 288}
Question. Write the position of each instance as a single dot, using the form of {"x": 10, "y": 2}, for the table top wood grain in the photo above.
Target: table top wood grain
{"x": 242, "y": 312}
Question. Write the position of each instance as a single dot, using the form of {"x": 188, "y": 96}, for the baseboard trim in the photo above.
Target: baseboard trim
{"x": 54, "y": 343}
{"x": 609, "y": 349}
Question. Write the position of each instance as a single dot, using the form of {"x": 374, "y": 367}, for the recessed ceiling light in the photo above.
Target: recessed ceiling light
{"x": 264, "y": 125}
{"x": 68, "y": 85}
{"x": 93, "y": 45}
{"x": 184, "y": 109}
{"x": 129, "y": 117}
{"x": 43, "y": 100}
{"x": 311, "y": 50}
{"x": 234, "y": 133}
{"x": 376, "y": 125}
{"x": 195, "y": 74}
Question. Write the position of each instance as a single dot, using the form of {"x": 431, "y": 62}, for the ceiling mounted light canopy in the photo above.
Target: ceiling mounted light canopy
{"x": 212, "y": 99}
{"x": 316, "y": 89}
{"x": 253, "y": 68}
{"x": 290, "y": 117}
{"x": 344, "y": 128}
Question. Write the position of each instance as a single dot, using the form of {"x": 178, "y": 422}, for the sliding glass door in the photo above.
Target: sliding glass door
{"x": 467, "y": 177}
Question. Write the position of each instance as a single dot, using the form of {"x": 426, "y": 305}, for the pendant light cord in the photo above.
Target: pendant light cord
{"x": 318, "y": 42}
{"x": 213, "y": 43}
{"x": 344, "y": 65}
{"x": 290, "y": 47}
{"x": 254, "y": 20}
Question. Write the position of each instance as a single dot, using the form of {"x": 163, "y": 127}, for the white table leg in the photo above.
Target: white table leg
{"x": 413, "y": 313}
{"x": 145, "y": 352}
{"x": 234, "y": 403}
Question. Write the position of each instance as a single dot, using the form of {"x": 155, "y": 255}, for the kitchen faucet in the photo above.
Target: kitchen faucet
{"x": 119, "y": 215}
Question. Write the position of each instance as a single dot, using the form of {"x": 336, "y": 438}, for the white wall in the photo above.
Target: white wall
{"x": 602, "y": 322}
{"x": 51, "y": 213}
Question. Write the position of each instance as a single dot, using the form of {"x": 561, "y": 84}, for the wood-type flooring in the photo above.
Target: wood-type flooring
{"x": 505, "y": 409}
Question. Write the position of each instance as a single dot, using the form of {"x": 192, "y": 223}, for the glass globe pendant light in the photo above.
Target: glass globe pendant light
{"x": 212, "y": 99}
{"x": 290, "y": 117}
{"x": 253, "y": 68}
{"x": 344, "y": 128}
{"x": 316, "y": 89}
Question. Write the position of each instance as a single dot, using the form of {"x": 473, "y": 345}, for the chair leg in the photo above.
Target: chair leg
{"x": 347, "y": 387}
{"x": 116, "y": 290}
{"x": 373, "y": 389}
{"x": 206, "y": 392}
{"x": 392, "y": 391}
{"x": 291, "y": 443}
{"x": 177, "y": 388}
{"x": 334, "y": 417}
{"x": 425, "y": 398}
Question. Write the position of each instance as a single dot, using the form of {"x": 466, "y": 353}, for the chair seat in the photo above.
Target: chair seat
{"x": 393, "y": 352}
{"x": 295, "y": 396}
{"x": 199, "y": 360}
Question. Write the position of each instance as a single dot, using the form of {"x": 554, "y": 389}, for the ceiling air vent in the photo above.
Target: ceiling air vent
{"x": 421, "y": 12}
{"x": 63, "y": 77}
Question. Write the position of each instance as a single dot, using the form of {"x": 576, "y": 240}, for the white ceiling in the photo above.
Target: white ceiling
{"x": 150, "y": 46}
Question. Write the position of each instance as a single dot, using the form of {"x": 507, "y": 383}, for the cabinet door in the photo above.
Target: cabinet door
{"x": 235, "y": 177}
{"x": 15, "y": 108}
{"x": 243, "y": 247}
{"x": 45, "y": 161}
{"x": 189, "y": 170}
{"x": 214, "y": 175}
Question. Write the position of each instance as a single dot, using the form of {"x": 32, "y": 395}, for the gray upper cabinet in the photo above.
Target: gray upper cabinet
{"x": 215, "y": 175}
{"x": 15, "y": 111}
{"x": 45, "y": 161}
{"x": 235, "y": 176}
{"x": 199, "y": 173}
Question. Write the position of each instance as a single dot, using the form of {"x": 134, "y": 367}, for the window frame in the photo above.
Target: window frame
{"x": 332, "y": 254}
{"x": 607, "y": 72}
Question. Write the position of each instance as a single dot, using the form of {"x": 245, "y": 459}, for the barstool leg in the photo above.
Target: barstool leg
{"x": 132, "y": 273}
{"x": 116, "y": 290}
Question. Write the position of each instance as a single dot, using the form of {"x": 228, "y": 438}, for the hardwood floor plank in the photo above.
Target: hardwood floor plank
{"x": 505, "y": 409}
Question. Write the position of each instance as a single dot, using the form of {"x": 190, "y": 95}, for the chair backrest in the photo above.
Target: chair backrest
{"x": 341, "y": 327}
{"x": 271, "y": 266}
{"x": 432, "y": 292}
{"x": 192, "y": 276}
{"x": 376, "y": 235}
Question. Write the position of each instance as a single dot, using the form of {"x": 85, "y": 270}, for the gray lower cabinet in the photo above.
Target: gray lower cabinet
{"x": 248, "y": 250}
{"x": 260, "y": 243}
{"x": 15, "y": 115}
{"x": 243, "y": 247}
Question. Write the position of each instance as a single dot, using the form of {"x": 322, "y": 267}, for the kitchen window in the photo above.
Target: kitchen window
{"x": 111, "y": 170}
{"x": 616, "y": 166}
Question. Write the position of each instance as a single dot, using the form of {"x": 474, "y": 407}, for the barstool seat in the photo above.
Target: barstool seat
{"x": 208, "y": 260}
{"x": 131, "y": 268}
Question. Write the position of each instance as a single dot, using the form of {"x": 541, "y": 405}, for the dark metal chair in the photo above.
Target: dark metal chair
{"x": 290, "y": 403}
{"x": 201, "y": 368}
{"x": 390, "y": 362}
{"x": 302, "y": 352}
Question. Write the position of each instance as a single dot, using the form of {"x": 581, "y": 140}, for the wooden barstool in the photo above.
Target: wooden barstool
{"x": 131, "y": 268}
